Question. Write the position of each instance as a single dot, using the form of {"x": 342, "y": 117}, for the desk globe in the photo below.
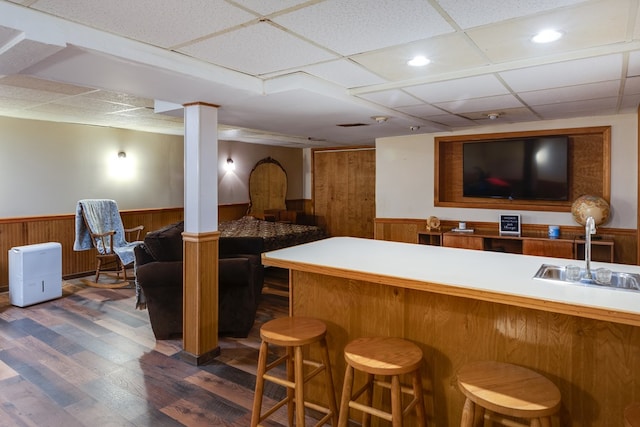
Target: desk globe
{"x": 585, "y": 206}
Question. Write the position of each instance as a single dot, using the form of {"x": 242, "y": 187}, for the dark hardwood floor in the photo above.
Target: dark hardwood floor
{"x": 90, "y": 359}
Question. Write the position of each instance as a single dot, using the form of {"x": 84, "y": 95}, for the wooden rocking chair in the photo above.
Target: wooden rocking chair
{"x": 98, "y": 225}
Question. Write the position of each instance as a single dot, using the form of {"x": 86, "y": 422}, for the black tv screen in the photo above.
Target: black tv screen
{"x": 531, "y": 168}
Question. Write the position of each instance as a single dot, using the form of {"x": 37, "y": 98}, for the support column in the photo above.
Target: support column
{"x": 200, "y": 237}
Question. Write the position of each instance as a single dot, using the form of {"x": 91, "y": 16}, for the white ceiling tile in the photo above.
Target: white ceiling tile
{"x": 267, "y": 7}
{"x": 345, "y": 73}
{"x": 391, "y": 98}
{"x": 423, "y": 110}
{"x": 572, "y": 93}
{"x": 452, "y": 120}
{"x": 258, "y": 49}
{"x": 634, "y": 63}
{"x": 121, "y": 98}
{"x": 632, "y": 86}
{"x": 451, "y": 90}
{"x": 505, "y": 115}
{"x": 28, "y": 82}
{"x": 92, "y": 104}
{"x": 24, "y": 54}
{"x": 355, "y": 26}
{"x": 568, "y": 73}
{"x": 511, "y": 40}
{"x": 471, "y": 13}
{"x": 630, "y": 103}
{"x": 30, "y": 95}
{"x": 573, "y": 109}
{"x": 159, "y": 22}
{"x": 636, "y": 29}
{"x": 492, "y": 103}
{"x": 451, "y": 52}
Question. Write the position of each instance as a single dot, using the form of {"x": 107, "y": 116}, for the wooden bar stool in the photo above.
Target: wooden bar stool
{"x": 496, "y": 389}
{"x": 294, "y": 333}
{"x": 388, "y": 357}
{"x": 632, "y": 415}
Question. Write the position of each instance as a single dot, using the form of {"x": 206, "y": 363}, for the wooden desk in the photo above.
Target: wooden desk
{"x": 463, "y": 305}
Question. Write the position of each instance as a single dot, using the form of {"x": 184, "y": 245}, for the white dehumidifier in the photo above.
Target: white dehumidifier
{"x": 35, "y": 273}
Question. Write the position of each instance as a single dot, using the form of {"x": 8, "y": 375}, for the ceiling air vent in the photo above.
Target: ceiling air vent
{"x": 351, "y": 125}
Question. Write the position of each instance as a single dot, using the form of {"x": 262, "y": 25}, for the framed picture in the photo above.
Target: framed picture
{"x": 510, "y": 224}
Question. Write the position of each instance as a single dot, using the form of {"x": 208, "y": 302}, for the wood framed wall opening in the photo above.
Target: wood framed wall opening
{"x": 589, "y": 165}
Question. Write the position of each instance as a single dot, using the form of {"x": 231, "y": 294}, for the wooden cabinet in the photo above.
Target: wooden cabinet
{"x": 463, "y": 241}
{"x": 564, "y": 247}
{"x": 548, "y": 247}
{"x": 433, "y": 238}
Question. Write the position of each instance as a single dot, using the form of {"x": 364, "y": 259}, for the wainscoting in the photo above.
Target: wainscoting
{"x": 406, "y": 230}
{"x": 61, "y": 228}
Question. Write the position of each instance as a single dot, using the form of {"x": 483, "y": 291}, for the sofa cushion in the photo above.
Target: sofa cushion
{"x": 165, "y": 244}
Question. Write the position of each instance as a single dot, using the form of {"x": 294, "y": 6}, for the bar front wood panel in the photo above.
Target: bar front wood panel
{"x": 594, "y": 363}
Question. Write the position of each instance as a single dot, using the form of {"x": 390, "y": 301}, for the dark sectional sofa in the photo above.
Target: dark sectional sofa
{"x": 159, "y": 264}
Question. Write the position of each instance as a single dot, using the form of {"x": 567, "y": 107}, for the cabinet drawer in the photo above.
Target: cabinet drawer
{"x": 550, "y": 248}
{"x": 463, "y": 241}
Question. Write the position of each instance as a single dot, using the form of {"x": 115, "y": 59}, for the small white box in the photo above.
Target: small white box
{"x": 35, "y": 273}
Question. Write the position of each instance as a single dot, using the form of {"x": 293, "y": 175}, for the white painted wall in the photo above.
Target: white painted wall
{"x": 45, "y": 167}
{"x": 405, "y": 175}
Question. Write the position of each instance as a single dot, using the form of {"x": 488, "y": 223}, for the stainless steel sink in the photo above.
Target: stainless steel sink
{"x": 619, "y": 280}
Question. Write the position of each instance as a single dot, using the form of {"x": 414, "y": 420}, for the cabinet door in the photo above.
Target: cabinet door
{"x": 463, "y": 241}
{"x": 550, "y": 248}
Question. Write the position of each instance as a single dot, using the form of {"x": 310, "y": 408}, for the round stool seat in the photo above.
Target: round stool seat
{"x": 383, "y": 355}
{"x": 293, "y": 331}
{"x": 509, "y": 389}
{"x": 389, "y": 358}
{"x": 632, "y": 415}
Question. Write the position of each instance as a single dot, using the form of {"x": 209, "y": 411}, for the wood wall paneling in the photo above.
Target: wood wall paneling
{"x": 589, "y": 169}
{"x": 61, "y": 228}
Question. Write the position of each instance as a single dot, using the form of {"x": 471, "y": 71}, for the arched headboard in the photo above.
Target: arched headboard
{"x": 267, "y": 187}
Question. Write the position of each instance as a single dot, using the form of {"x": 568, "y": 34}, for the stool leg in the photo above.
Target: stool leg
{"x": 468, "y": 414}
{"x": 331, "y": 392}
{"x": 257, "y": 397}
{"x": 290, "y": 391}
{"x": 418, "y": 394}
{"x": 346, "y": 397}
{"x": 396, "y": 402}
{"x": 368, "y": 400}
{"x": 541, "y": 422}
{"x": 299, "y": 379}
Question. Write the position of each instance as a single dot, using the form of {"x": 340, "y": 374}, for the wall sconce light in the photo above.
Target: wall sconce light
{"x": 122, "y": 155}
{"x": 229, "y": 166}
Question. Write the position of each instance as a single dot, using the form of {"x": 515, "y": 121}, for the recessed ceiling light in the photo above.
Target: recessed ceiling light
{"x": 418, "y": 61}
{"x": 547, "y": 36}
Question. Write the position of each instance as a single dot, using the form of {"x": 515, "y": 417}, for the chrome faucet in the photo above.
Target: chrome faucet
{"x": 589, "y": 229}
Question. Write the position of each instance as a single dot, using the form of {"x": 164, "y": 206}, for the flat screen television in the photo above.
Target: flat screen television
{"x": 530, "y": 168}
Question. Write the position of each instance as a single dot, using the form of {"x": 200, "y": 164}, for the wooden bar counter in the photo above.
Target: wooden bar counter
{"x": 462, "y": 305}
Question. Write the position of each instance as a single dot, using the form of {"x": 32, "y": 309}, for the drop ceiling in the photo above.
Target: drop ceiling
{"x": 317, "y": 73}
